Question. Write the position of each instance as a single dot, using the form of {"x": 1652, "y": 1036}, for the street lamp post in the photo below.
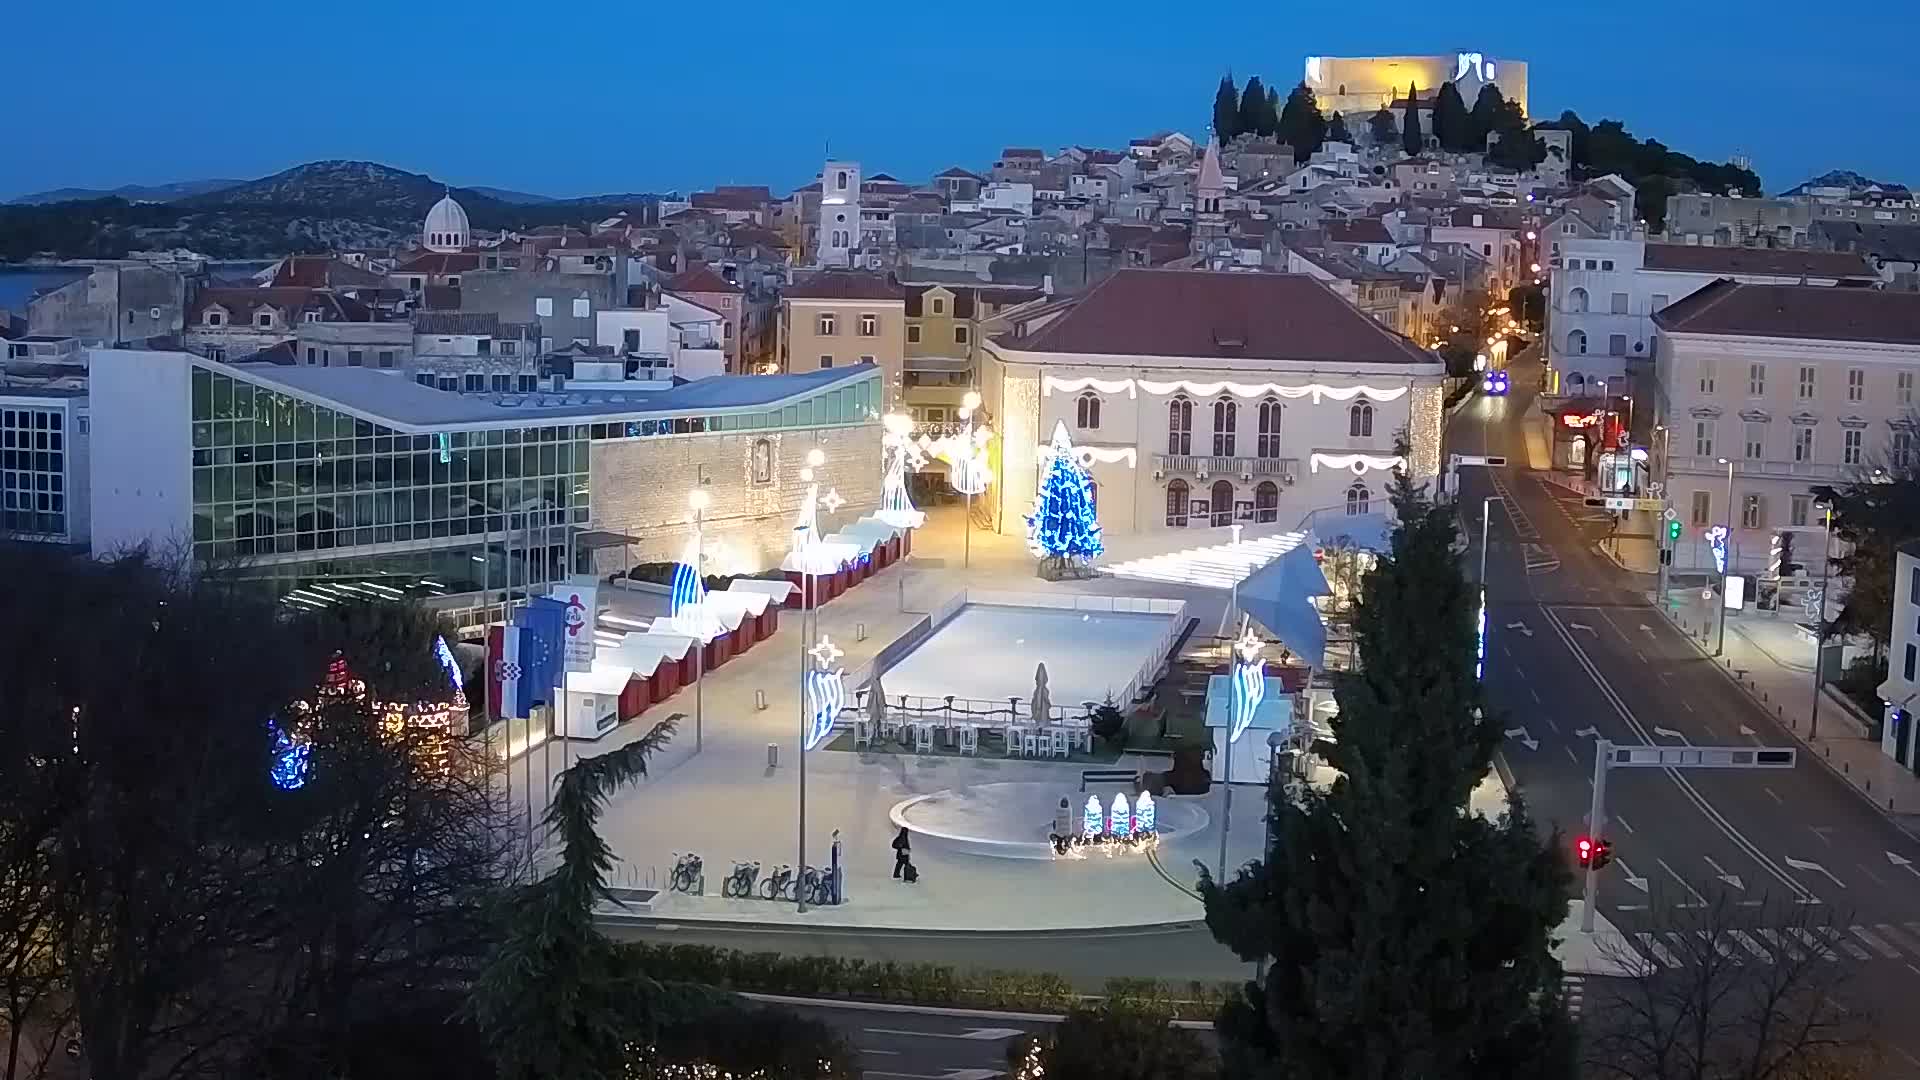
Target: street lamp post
{"x": 1486, "y": 515}
{"x": 968, "y": 404}
{"x": 1720, "y": 637}
{"x": 1234, "y": 603}
{"x": 1820, "y": 627}
{"x": 808, "y": 582}
{"x": 698, "y": 500}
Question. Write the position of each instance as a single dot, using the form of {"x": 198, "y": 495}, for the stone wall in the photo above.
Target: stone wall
{"x": 640, "y": 487}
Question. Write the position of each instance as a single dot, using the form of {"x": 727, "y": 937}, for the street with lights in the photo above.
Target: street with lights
{"x": 1576, "y": 653}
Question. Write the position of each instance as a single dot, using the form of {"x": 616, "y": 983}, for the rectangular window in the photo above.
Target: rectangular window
{"x": 939, "y": 306}
{"x": 1903, "y": 383}
{"x": 1703, "y": 438}
{"x": 1706, "y": 374}
{"x": 543, "y": 307}
{"x": 1756, "y": 380}
{"x": 448, "y": 382}
{"x": 959, "y": 335}
{"x": 825, "y": 325}
{"x": 356, "y": 358}
{"x": 1660, "y": 300}
{"x": 508, "y": 348}
{"x": 1856, "y": 384}
{"x": 386, "y": 358}
{"x": 1756, "y": 440}
{"x": 1606, "y": 264}
{"x": 826, "y": 361}
{"x": 1798, "y": 507}
{"x": 1803, "y": 443}
{"x": 1850, "y": 446}
{"x": 1907, "y": 668}
{"x": 913, "y": 335}
{"x": 1702, "y": 507}
{"x": 425, "y": 378}
{"x": 582, "y": 307}
{"x": 1806, "y": 383}
{"x": 869, "y": 324}
{"x": 1616, "y": 344}
{"x": 502, "y": 383}
{"x": 526, "y": 383}
{"x": 1619, "y": 303}
{"x": 476, "y": 383}
{"x": 1753, "y": 512}
{"x": 1900, "y": 449}
{"x": 1913, "y": 586}
{"x": 312, "y": 354}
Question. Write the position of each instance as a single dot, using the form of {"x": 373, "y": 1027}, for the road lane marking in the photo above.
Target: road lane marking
{"x": 1871, "y": 876}
{"x": 1698, "y": 900}
{"x": 1781, "y": 944}
{"x": 1622, "y": 822}
{"x": 971, "y": 1034}
{"x": 1806, "y": 937}
{"x": 1679, "y": 779}
{"x": 1551, "y": 724}
{"x": 1651, "y": 946}
{"x": 1878, "y": 945}
{"x": 1720, "y": 946}
{"x": 1821, "y": 831}
{"x": 1575, "y": 758}
{"x": 1746, "y": 942}
{"x": 1848, "y": 947}
{"x": 1536, "y": 695}
{"x": 1803, "y": 864}
{"x": 1688, "y": 705}
{"x": 1776, "y": 796}
{"x": 1899, "y": 937}
{"x": 879, "y": 1053}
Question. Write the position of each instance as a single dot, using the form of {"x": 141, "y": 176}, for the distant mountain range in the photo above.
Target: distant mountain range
{"x": 131, "y": 192}
{"x": 319, "y": 206}
{"x": 1845, "y": 178}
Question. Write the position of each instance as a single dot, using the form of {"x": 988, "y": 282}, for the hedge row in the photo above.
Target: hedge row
{"x": 919, "y": 984}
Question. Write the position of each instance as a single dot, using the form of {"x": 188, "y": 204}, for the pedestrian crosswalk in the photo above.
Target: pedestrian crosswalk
{"x": 1857, "y": 943}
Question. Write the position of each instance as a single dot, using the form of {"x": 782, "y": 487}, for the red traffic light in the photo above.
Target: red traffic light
{"x": 1583, "y": 850}
{"x": 1602, "y": 854}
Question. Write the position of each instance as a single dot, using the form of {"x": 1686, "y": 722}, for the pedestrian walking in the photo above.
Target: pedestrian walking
{"x": 903, "y": 858}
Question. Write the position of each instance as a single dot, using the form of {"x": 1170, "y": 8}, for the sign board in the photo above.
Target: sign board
{"x": 582, "y": 597}
{"x": 1671, "y": 514}
{"x": 1625, "y": 502}
{"x": 1736, "y": 598}
{"x": 1701, "y": 757}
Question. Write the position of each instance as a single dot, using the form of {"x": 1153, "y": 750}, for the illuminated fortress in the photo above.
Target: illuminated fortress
{"x": 1361, "y": 85}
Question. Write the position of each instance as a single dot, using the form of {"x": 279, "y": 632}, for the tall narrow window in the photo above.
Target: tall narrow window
{"x": 1221, "y": 503}
{"x": 1086, "y": 412}
{"x": 1702, "y": 507}
{"x": 1177, "y": 503}
{"x": 1850, "y": 447}
{"x": 1807, "y": 377}
{"x": 1703, "y": 438}
{"x": 869, "y": 324}
{"x": 1756, "y": 380}
{"x": 1756, "y": 440}
{"x": 1226, "y": 418}
{"x": 1803, "y": 443}
{"x": 1266, "y": 502}
{"x": 1706, "y": 374}
{"x": 1856, "y": 384}
{"x": 1180, "y": 426}
{"x": 1577, "y": 343}
{"x": 1360, "y": 420}
{"x": 1357, "y": 499}
{"x": 1269, "y": 442}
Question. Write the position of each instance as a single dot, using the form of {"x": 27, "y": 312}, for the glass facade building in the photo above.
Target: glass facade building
{"x": 315, "y": 499}
{"x": 33, "y": 471}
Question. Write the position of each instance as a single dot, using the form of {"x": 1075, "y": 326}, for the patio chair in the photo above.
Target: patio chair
{"x": 1012, "y": 738}
{"x": 1030, "y": 743}
{"x": 923, "y": 738}
{"x": 862, "y": 733}
{"x": 970, "y": 740}
{"x": 1057, "y": 738}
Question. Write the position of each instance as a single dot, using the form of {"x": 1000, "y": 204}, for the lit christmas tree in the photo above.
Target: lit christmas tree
{"x": 1063, "y": 529}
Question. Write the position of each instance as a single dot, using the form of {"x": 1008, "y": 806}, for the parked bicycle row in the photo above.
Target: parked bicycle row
{"x": 813, "y": 884}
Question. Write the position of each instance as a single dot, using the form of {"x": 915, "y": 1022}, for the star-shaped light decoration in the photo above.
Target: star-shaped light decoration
{"x": 1247, "y": 646}
{"x": 832, "y": 500}
{"x": 826, "y": 653}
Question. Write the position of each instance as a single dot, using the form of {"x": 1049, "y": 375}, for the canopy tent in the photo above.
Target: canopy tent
{"x": 821, "y": 558}
{"x": 716, "y": 613}
{"x": 1280, "y": 595}
{"x": 778, "y": 590}
{"x": 1373, "y": 532}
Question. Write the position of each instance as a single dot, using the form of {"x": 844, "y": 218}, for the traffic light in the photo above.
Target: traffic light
{"x": 1583, "y": 849}
{"x": 1602, "y": 854}
{"x": 1673, "y": 531}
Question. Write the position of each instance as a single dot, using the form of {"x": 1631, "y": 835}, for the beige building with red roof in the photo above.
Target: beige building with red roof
{"x": 837, "y": 318}
{"x": 1206, "y": 399}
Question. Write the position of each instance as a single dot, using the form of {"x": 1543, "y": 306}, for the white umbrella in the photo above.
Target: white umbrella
{"x": 1042, "y": 701}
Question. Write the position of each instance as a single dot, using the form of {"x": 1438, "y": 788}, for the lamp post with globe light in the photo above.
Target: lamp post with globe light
{"x": 968, "y": 404}
{"x": 805, "y": 537}
{"x": 698, "y": 500}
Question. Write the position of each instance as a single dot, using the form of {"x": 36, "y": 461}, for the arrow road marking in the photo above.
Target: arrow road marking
{"x": 1698, "y": 901}
{"x": 1746, "y": 731}
{"x": 974, "y": 1034}
{"x": 1669, "y": 733}
{"x": 1800, "y": 864}
{"x": 1647, "y": 628}
{"x": 1520, "y": 626}
{"x": 1721, "y": 872}
{"x": 1903, "y": 863}
{"x": 1526, "y": 740}
{"x": 1586, "y": 731}
{"x": 1637, "y": 882}
{"x": 1582, "y": 626}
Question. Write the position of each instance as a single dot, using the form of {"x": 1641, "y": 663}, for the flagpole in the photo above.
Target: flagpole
{"x": 556, "y": 695}
{"x": 526, "y": 756}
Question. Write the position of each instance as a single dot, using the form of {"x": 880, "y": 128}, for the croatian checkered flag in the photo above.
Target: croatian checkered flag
{"x": 826, "y": 694}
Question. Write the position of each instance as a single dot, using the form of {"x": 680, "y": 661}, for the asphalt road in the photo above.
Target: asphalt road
{"x": 1574, "y": 653}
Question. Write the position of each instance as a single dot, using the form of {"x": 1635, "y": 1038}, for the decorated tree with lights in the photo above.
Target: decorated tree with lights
{"x": 1063, "y": 530}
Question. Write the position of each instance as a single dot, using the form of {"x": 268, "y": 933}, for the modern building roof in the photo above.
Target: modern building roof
{"x": 1809, "y": 312}
{"x": 1777, "y": 262}
{"x": 845, "y": 285}
{"x": 1358, "y": 231}
{"x": 700, "y": 279}
{"x": 392, "y": 401}
{"x": 324, "y": 271}
{"x": 1892, "y": 243}
{"x": 439, "y": 262}
{"x": 1216, "y": 315}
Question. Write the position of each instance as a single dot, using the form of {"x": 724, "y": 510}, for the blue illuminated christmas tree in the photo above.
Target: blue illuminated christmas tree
{"x": 1063, "y": 529}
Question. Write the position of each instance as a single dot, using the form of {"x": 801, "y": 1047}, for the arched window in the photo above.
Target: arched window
{"x": 1180, "y": 426}
{"x": 1086, "y": 412}
{"x": 762, "y": 461}
{"x": 1577, "y": 343}
{"x": 1357, "y": 498}
{"x": 1266, "y": 502}
{"x": 1221, "y": 503}
{"x": 1360, "y": 420}
{"x": 1226, "y": 417}
{"x": 1269, "y": 443}
{"x": 841, "y": 182}
{"x": 1177, "y": 503}
{"x": 1577, "y": 300}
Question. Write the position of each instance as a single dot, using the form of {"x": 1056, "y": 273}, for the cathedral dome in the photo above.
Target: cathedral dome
{"x": 446, "y": 228}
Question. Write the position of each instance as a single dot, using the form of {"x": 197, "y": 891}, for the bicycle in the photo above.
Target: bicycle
{"x": 778, "y": 884}
{"x": 686, "y": 873}
{"x": 740, "y": 882}
{"x": 814, "y": 887}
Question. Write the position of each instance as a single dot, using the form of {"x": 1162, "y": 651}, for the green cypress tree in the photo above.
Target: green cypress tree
{"x": 1301, "y": 125}
{"x": 1484, "y": 117}
{"x": 1226, "y": 110}
{"x": 1383, "y": 127}
{"x": 1273, "y": 110}
{"x": 1450, "y": 124}
{"x": 1253, "y": 108}
{"x": 1407, "y": 936}
{"x": 1337, "y": 129}
{"x": 1411, "y": 139}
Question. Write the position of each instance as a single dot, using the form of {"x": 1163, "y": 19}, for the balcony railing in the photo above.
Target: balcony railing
{"x": 1195, "y": 464}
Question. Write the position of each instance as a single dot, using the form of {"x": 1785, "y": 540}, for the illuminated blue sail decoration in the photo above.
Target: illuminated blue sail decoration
{"x": 687, "y": 586}
{"x": 1093, "y": 818}
{"x": 826, "y": 693}
{"x": 1717, "y": 540}
{"x": 1480, "y": 639}
{"x": 292, "y": 758}
{"x": 1119, "y": 818}
{"x": 444, "y": 654}
{"x": 1143, "y": 813}
{"x": 1249, "y": 685}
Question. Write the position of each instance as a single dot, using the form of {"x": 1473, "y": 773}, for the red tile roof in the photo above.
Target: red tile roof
{"x": 1358, "y": 231}
{"x": 320, "y": 271}
{"x": 1815, "y": 312}
{"x": 439, "y": 262}
{"x": 845, "y": 285}
{"x": 1771, "y": 261}
{"x": 1239, "y": 316}
{"x": 1022, "y": 152}
{"x": 700, "y": 279}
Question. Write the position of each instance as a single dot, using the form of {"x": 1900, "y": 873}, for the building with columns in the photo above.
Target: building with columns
{"x": 1204, "y": 398}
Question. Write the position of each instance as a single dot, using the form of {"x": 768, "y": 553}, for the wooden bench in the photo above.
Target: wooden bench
{"x": 1107, "y": 776}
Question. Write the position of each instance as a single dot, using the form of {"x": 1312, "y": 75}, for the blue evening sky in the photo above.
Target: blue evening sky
{"x": 595, "y": 96}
